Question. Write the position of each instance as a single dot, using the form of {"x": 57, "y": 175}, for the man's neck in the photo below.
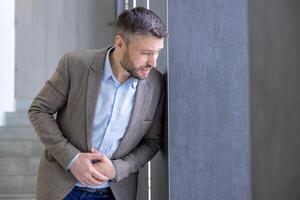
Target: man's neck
{"x": 119, "y": 72}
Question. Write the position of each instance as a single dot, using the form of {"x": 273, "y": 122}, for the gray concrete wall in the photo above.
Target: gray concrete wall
{"x": 208, "y": 100}
{"x": 45, "y": 30}
{"x": 275, "y": 98}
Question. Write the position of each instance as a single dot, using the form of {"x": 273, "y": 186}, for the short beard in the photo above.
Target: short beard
{"x": 128, "y": 65}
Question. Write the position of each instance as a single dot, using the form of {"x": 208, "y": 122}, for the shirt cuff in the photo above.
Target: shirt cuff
{"x": 115, "y": 178}
{"x": 72, "y": 161}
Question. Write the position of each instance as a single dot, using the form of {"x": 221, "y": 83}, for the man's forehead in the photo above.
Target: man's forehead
{"x": 151, "y": 49}
{"x": 149, "y": 43}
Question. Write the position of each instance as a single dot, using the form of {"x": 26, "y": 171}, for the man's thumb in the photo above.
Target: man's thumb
{"x": 93, "y": 150}
{"x": 96, "y": 154}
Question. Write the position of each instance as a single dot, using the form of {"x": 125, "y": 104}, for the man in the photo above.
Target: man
{"x": 108, "y": 105}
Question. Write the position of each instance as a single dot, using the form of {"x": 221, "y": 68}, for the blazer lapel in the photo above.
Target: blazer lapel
{"x": 95, "y": 75}
{"x": 140, "y": 101}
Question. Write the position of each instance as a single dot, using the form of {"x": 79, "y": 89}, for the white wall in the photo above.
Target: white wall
{"x": 7, "y": 57}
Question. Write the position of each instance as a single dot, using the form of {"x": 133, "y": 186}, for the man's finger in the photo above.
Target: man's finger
{"x": 99, "y": 175}
{"x": 91, "y": 181}
{"x": 96, "y": 156}
{"x": 93, "y": 150}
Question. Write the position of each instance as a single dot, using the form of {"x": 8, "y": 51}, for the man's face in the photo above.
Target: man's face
{"x": 140, "y": 55}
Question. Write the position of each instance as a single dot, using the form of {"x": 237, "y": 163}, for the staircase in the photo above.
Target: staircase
{"x": 20, "y": 151}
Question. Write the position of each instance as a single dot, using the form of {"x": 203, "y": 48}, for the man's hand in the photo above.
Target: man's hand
{"x": 104, "y": 165}
{"x": 85, "y": 172}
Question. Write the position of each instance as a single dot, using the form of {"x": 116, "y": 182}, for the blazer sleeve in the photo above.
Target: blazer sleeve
{"x": 146, "y": 149}
{"x": 52, "y": 97}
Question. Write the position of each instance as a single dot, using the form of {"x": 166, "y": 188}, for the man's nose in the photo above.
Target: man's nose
{"x": 152, "y": 61}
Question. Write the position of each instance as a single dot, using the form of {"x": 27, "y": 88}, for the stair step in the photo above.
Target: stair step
{"x": 16, "y": 118}
{"x": 19, "y": 166}
{"x": 17, "y": 197}
{"x": 17, "y": 132}
{"x": 20, "y": 151}
{"x": 19, "y": 148}
{"x": 10, "y": 185}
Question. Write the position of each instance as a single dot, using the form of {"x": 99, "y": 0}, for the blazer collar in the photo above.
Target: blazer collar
{"x": 136, "y": 118}
{"x": 98, "y": 62}
{"x": 95, "y": 75}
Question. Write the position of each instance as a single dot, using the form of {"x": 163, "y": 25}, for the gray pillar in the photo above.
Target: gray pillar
{"x": 208, "y": 100}
{"x": 275, "y": 98}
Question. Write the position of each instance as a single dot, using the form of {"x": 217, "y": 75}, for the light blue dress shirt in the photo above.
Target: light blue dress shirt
{"x": 113, "y": 111}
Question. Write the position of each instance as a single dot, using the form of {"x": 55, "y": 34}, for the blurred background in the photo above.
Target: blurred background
{"x": 232, "y": 126}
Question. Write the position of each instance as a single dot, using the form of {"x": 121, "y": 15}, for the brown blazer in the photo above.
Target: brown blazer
{"x": 72, "y": 93}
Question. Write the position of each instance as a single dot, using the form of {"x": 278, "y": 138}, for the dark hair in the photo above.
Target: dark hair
{"x": 142, "y": 21}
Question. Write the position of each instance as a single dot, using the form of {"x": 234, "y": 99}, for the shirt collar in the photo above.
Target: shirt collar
{"x": 107, "y": 66}
{"x": 107, "y": 74}
{"x": 134, "y": 82}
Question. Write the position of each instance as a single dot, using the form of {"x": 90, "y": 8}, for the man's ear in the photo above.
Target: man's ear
{"x": 119, "y": 42}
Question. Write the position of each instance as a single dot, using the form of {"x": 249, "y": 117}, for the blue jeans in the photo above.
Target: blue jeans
{"x": 77, "y": 194}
